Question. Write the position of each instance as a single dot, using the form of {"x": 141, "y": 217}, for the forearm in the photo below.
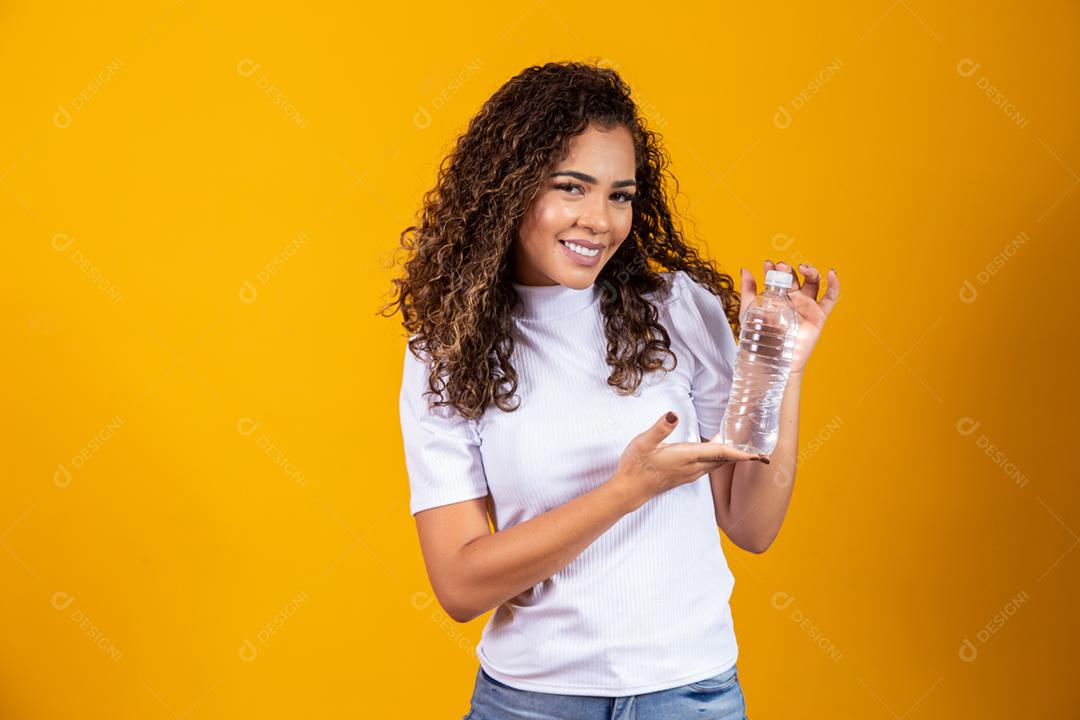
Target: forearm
{"x": 496, "y": 567}
{"x": 760, "y": 493}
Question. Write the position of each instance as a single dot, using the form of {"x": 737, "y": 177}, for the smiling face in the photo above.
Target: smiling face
{"x": 581, "y": 215}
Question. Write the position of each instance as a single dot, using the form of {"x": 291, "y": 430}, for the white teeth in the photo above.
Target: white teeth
{"x": 582, "y": 250}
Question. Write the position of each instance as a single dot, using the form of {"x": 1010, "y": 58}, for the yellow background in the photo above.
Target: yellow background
{"x": 204, "y": 509}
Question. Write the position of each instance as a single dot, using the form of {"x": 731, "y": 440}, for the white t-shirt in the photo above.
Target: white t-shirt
{"x": 645, "y": 606}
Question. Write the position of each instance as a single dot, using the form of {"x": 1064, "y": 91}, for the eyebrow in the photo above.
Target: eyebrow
{"x": 590, "y": 179}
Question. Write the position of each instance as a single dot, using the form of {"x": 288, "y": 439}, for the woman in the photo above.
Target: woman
{"x": 579, "y": 354}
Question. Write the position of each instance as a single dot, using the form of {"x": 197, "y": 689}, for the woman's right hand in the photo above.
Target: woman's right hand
{"x": 649, "y": 467}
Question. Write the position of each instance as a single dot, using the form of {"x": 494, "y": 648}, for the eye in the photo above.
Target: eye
{"x": 622, "y": 197}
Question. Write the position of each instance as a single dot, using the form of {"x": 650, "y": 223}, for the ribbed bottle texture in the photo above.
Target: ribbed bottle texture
{"x": 762, "y": 366}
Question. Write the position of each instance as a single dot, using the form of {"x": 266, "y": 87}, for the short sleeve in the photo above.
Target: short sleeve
{"x": 442, "y": 448}
{"x": 702, "y": 324}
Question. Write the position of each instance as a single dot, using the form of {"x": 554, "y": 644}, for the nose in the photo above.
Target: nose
{"x": 595, "y": 214}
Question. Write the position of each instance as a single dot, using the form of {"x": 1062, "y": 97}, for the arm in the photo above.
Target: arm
{"x": 751, "y": 499}
{"x": 473, "y": 570}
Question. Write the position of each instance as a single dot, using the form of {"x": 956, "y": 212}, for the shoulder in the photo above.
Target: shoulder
{"x": 416, "y": 367}
{"x": 698, "y": 317}
{"x": 415, "y": 371}
{"x": 417, "y": 401}
{"x": 684, "y": 294}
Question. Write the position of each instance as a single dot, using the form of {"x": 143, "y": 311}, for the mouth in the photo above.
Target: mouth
{"x": 583, "y": 253}
{"x": 584, "y": 248}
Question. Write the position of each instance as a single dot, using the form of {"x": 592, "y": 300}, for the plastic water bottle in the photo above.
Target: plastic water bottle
{"x": 762, "y": 365}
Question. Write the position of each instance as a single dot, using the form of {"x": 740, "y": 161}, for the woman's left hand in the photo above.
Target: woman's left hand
{"x": 812, "y": 314}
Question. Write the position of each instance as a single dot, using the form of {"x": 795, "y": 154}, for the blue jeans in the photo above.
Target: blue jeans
{"x": 717, "y": 698}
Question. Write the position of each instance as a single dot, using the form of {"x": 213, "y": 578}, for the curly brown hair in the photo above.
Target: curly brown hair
{"x": 456, "y": 295}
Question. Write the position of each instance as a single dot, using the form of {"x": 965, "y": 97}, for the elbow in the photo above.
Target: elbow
{"x": 756, "y": 545}
{"x": 456, "y": 612}
{"x": 757, "y": 549}
{"x": 457, "y": 593}
{"x": 455, "y": 607}
{"x": 462, "y": 614}
{"x": 459, "y": 616}
{"x": 759, "y": 545}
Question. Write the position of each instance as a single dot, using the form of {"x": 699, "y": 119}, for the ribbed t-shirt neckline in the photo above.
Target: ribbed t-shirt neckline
{"x": 545, "y": 302}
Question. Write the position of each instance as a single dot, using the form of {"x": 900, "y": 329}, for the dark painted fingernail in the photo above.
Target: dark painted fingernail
{"x": 670, "y": 417}
{"x": 763, "y": 459}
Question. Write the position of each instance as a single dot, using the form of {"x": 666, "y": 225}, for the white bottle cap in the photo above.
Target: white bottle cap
{"x": 778, "y": 277}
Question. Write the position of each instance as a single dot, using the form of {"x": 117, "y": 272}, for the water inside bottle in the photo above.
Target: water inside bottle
{"x": 762, "y": 366}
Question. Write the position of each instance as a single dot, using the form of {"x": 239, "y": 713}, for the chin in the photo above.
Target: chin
{"x": 578, "y": 280}
{"x": 572, "y": 275}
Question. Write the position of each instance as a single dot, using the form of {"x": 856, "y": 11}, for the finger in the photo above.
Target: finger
{"x": 714, "y": 459}
{"x": 692, "y": 452}
{"x": 832, "y": 292}
{"x": 659, "y": 430}
{"x": 812, "y": 281}
{"x": 721, "y": 459}
{"x": 706, "y": 466}
{"x": 784, "y": 267}
{"x": 749, "y": 289}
